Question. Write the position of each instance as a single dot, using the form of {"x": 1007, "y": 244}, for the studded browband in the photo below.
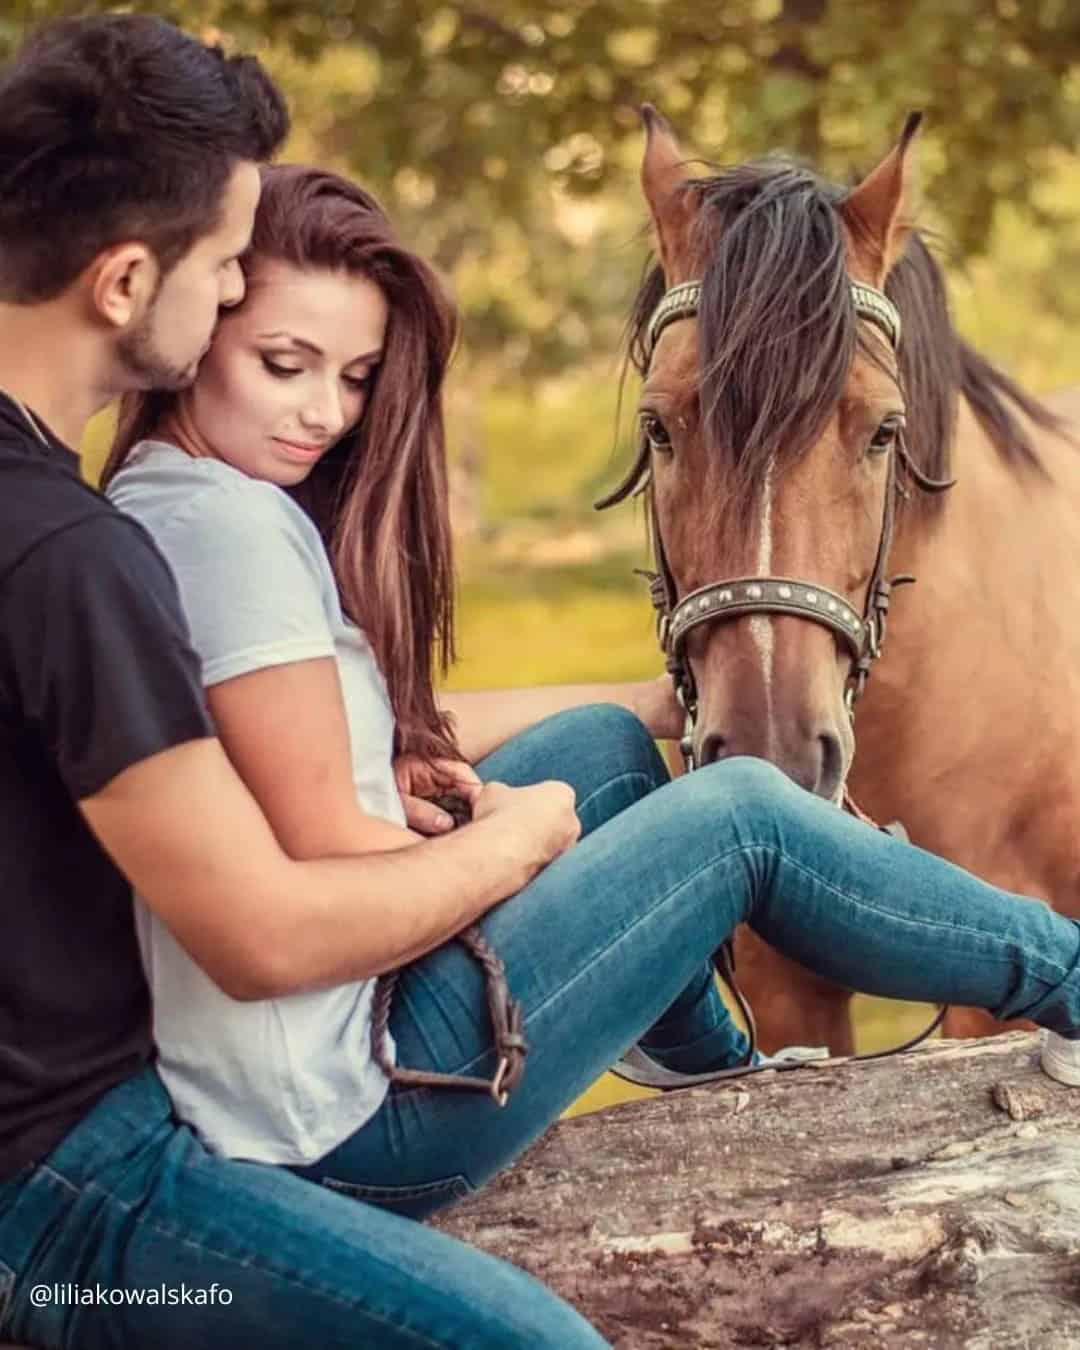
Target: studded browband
{"x": 684, "y": 301}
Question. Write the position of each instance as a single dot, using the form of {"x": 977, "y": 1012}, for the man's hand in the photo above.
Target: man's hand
{"x": 419, "y": 780}
{"x": 538, "y": 823}
{"x": 655, "y": 703}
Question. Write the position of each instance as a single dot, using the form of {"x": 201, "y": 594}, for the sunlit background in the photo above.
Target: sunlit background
{"x": 504, "y": 138}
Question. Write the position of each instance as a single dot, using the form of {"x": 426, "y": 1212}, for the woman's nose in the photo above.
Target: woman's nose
{"x": 324, "y": 413}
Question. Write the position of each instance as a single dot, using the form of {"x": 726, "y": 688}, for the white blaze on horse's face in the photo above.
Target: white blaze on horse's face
{"x": 761, "y": 625}
{"x": 771, "y": 685}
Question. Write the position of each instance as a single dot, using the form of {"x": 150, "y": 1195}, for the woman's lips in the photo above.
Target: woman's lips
{"x": 300, "y": 451}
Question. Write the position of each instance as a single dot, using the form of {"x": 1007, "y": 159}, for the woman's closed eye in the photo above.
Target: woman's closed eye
{"x": 357, "y": 383}
{"x": 282, "y": 372}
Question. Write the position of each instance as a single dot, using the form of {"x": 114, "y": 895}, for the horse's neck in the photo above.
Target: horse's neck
{"x": 970, "y": 728}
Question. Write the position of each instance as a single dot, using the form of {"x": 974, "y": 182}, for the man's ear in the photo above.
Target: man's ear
{"x": 123, "y": 281}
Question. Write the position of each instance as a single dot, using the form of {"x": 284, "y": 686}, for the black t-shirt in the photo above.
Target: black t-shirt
{"x": 96, "y": 674}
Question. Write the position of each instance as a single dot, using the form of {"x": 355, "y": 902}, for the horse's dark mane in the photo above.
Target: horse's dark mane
{"x": 777, "y": 332}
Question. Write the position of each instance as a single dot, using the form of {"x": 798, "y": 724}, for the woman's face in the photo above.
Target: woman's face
{"x": 288, "y": 373}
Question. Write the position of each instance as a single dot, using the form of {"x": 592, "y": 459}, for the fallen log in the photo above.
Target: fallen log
{"x": 931, "y": 1200}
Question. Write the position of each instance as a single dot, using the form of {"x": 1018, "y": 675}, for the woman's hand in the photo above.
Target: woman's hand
{"x": 419, "y": 780}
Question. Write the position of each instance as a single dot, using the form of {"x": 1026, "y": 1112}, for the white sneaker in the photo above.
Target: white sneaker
{"x": 1061, "y": 1059}
{"x": 637, "y": 1066}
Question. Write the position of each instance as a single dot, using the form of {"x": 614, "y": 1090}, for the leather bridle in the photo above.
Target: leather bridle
{"x": 862, "y": 633}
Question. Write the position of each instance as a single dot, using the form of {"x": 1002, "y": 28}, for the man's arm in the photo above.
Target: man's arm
{"x": 192, "y": 840}
{"x": 94, "y": 648}
{"x": 485, "y": 719}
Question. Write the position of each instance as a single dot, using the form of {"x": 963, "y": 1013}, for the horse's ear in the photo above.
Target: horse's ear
{"x": 663, "y": 173}
{"x": 879, "y": 212}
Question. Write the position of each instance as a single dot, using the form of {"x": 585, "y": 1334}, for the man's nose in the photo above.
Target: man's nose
{"x": 233, "y": 286}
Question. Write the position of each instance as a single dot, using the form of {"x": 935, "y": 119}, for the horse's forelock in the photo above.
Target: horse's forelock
{"x": 777, "y": 334}
{"x": 777, "y": 326}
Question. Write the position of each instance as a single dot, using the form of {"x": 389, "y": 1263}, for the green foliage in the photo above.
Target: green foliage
{"x": 505, "y": 140}
{"x": 505, "y": 136}
{"x": 551, "y": 453}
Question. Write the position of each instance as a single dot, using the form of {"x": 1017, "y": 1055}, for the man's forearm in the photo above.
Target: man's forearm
{"x": 345, "y": 919}
{"x": 484, "y": 720}
{"x": 196, "y": 847}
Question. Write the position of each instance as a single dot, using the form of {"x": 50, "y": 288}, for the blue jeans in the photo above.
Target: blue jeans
{"x": 131, "y": 1202}
{"x": 607, "y": 945}
{"x": 601, "y": 948}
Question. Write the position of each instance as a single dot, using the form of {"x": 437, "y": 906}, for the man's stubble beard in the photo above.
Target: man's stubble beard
{"x": 144, "y": 362}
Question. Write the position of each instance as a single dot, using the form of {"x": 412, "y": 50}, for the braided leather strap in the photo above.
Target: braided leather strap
{"x": 506, "y": 1015}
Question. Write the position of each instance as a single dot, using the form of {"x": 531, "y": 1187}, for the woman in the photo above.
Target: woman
{"x": 298, "y": 490}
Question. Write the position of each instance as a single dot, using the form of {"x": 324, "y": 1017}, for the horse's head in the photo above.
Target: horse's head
{"x": 770, "y": 419}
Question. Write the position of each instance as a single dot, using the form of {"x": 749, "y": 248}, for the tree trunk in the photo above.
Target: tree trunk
{"x": 928, "y": 1200}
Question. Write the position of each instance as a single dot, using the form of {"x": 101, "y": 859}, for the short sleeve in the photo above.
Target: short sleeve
{"x": 95, "y": 653}
{"x": 253, "y": 580}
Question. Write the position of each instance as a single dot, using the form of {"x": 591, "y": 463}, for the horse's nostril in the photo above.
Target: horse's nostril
{"x": 713, "y": 747}
{"x": 831, "y": 771}
{"x": 816, "y": 763}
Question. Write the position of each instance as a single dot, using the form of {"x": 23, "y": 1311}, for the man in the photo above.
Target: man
{"x": 128, "y": 185}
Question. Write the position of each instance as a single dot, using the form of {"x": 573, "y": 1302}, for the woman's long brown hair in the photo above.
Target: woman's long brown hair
{"x": 379, "y": 497}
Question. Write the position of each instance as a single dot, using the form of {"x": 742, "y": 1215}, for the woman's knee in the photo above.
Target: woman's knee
{"x": 619, "y": 734}
{"x": 747, "y": 776}
{"x": 594, "y": 747}
{"x": 621, "y": 762}
{"x": 752, "y": 791}
{"x": 602, "y": 723}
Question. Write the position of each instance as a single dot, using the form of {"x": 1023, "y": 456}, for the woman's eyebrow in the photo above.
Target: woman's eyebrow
{"x": 291, "y": 337}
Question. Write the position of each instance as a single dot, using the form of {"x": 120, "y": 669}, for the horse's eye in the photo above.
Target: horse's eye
{"x": 654, "y": 431}
{"x": 884, "y": 438}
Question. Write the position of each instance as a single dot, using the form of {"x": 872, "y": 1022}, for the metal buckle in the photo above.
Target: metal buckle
{"x": 500, "y": 1096}
{"x": 686, "y": 745}
{"x": 872, "y": 635}
{"x": 849, "y": 700}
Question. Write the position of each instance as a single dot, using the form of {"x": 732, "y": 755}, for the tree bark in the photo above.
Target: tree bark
{"x": 930, "y": 1200}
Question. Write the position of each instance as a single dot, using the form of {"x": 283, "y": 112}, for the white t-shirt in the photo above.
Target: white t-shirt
{"x": 283, "y": 1080}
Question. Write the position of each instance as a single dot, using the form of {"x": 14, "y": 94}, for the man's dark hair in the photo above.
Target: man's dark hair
{"x": 119, "y": 127}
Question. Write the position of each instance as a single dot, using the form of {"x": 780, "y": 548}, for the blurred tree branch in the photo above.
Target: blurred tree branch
{"x": 504, "y": 136}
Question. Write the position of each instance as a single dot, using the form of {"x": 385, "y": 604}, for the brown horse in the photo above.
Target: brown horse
{"x": 793, "y": 424}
